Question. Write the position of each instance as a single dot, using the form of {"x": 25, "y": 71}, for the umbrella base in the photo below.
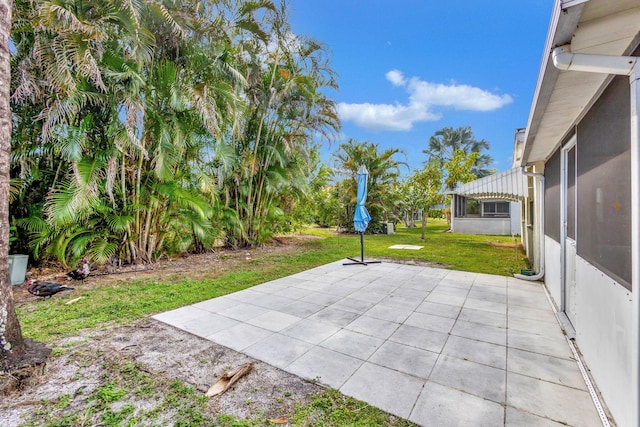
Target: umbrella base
{"x": 360, "y": 262}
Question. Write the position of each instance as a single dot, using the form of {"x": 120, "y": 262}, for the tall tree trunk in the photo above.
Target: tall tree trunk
{"x": 11, "y": 341}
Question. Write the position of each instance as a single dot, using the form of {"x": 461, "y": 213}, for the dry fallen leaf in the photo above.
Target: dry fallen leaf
{"x": 281, "y": 420}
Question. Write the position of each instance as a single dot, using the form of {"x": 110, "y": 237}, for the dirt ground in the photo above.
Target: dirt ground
{"x": 167, "y": 354}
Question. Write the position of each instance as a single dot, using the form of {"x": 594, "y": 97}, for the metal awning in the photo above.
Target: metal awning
{"x": 508, "y": 185}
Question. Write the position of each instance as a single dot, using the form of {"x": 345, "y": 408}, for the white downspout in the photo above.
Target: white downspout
{"x": 563, "y": 59}
{"x": 540, "y": 228}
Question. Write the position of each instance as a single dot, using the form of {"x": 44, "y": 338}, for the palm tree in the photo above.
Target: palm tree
{"x": 120, "y": 134}
{"x": 11, "y": 341}
{"x": 447, "y": 140}
{"x": 384, "y": 170}
{"x": 148, "y": 126}
{"x": 285, "y": 108}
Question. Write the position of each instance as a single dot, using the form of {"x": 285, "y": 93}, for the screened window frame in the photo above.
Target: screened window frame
{"x": 603, "y": 183}
{"x": 497, "y": 213}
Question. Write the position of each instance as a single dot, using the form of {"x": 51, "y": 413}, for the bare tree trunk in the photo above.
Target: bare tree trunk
{"x": 11, "y": 341}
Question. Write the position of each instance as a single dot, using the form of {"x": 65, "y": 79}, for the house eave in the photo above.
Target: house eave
{"x": 561, "y": 98}
{"x": 564, "y": 22}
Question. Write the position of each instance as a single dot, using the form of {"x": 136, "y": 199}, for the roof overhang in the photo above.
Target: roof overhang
{"x": 507, "y": 185}
{"x": 561, "y": 98}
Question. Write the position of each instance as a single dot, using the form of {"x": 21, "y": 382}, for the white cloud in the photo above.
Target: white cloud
{"x": 424, "y": 98}
{"x": 460, "y": 97}
{"x": 396, "y": 78}
{"x": 379, "y": 117}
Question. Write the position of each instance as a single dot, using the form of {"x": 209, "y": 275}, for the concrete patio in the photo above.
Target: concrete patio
{"x": 438, "y": 347}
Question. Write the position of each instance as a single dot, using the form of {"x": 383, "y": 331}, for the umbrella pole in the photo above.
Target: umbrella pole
{"x": 361, "y": 261}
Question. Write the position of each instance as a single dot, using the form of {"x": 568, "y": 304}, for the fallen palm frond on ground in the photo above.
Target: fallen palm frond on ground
{"x": 228, "y": 379}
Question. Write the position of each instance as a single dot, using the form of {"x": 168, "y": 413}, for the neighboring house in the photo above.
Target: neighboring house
{"x": 582, "y": 136}
{"x": 489, "y": 205}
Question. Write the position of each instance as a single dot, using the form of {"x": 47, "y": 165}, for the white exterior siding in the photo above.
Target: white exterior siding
{"x": 602, "y": 325}
{"x": 603, "y": 334}
{"x": 553, "y": 269}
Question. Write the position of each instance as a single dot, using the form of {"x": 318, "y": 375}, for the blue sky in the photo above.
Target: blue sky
{"x": 407, "y": 68}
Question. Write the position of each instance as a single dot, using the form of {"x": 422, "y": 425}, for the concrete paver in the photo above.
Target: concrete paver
{"x": 335, "y": 316}
{"x": 552, "y": 369}
{"x": 278, "y": 350}
{"x": 403, "y": 358}
{"x": 302, "y": 309}
{"x": 473, "y": 378}
{"x": 372, "y": 326}
{"x": 546, "y": 329}
{"x": 205, "y": 326}
{"x": 484, "y": 317}
{"x": 539, "y": 344}
{"x": 311, "y": 331}
{"x": 480, "y": 332}
{"x": 438, "y": 347}
{"x": 243, "y": 311}
{"x": 420, "y": 338}
{"x": 476, "y": 351}
{"x": 240, "y": 336}
{"x": 559, "y": 403}
{"x": 353, "y": 344}
{"x": 431, "y": 322}
{"x": 326, "y": 366}
{"x": 443, "y": 310}
{"x": 517, "y": 418}
{"x": 380, "y": 386}
{"x": 439, "y": 405}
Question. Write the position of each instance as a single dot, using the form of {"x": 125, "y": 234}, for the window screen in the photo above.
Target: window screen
{"x": 460, "y": 206}
{"x": 495, "y": 209}
{"x": 552, "y": 197}
{"x": 604, "y": 183}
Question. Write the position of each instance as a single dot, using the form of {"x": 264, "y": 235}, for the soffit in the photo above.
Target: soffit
{"x": 603, "y": 27}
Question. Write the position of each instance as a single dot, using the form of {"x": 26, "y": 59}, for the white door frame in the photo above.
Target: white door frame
{"x": 564, "y": 154}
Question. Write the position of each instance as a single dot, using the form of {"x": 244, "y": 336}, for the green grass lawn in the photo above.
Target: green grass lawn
{"x": 479, "y": 254}
{"x": 50, "y": 319}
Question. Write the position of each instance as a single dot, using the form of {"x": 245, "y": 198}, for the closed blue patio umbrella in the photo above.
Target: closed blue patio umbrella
{"x": 361, "y": 216}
